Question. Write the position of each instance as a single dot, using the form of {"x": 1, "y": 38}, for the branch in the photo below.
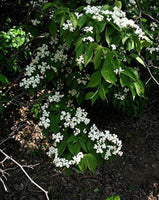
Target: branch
{"x": 23, "y": 170}
{"x": 151, "y": 75}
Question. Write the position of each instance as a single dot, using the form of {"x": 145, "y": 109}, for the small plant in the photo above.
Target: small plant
{"x": 113, "y": 198}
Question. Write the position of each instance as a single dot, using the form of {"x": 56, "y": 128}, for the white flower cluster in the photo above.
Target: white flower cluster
{"x": 44, "y": 119}
{"x": 35, "y": 22}
{"x": 95, "y": 11}
{"x": 62, "y": 162}
{"x": 38, "y": 2}
{"x": 117, "y": 71}
{"x": 89, "y": 38}
{"x": 133, "y": 2}
{"x": 126, "y": 90}
{"x": 152, "y": 49}
{"x": 113, "y": 46}
{"x": 68, "y": 26}
{"x": 88, "y": 29}
{"x": 51, "y": 14}
{"x": 153, "y": 26}
{"x": 101, "y": 138}
{"x": 72, "y": 92}
{"x": 60, "y": 55}
{"x": 78, "y": 15}
{"x": 119, "y": 96}
{"x": 72, "y": 122}
{"x": 57, "y": 137}
{"x": 32, "y": 79}
{"x": 84, "y": 79}
{"x": 80, "y": 60}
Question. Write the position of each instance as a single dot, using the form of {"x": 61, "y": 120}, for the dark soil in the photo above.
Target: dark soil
{"x": 134, "y": 176}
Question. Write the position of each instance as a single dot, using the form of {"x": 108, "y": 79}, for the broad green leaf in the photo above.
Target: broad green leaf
{"x": 133, "y": 55}
{"x": 132, "y": 73}
{"x": 72, "y": 138}
{"x": 118, "y": 4}
{"x": 102, "y": 92}
{"x": 62, "y": 147}
{"x": 109, "y": 31}
{"x": 95, "y": 79}
{"x": 108, "y": 69}
{"x": 54, "y": 122}
{"x": 3, "y": 79}
{"x": 83, "y": 145}
{"x": 80, "y": 50}
{"x": 130, "y": 45}
{"x": 82, "y": 20}
{"x": 47, "y": 5}
{"x": 83, "y": 164}
{"x": 73, "y": 19}
{"x": 97, "y": 58}
{"x": 52, "y": 28}
{"x": 127, "y": 81}
{"x": 68, "y": 37}
{"x": 74, "y": 148}
{"x": 139, "y": 88}
{"x": 88, "y": 55}
{"x": 89, "y": 95}
{"x": 91, "y": 162}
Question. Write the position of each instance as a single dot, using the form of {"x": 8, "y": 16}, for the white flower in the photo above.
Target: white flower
{"x": 89, "y": 38}
{"x": 88, "y": 29}
{"x": 113, "y": 46}
{"x": 68, "y": 26}
{"x": 80, "y": 60}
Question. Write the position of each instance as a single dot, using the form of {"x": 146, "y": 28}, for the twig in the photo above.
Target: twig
{"x": 140, "y": 12}
{"x": 23, "y": 170}
{"x": 150, "y": 17}
{"x": 151, "y": 74}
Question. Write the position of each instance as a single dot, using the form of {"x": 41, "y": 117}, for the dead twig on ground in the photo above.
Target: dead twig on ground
{"x": 4, "y": 173}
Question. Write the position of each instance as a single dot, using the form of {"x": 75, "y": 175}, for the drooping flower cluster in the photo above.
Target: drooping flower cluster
{"x": 117, "y": 16}
{"x": 68, "y": 25}
{"x": 35, "y": 71}
{"x": 44, "y": 119}
{"x": 63, "y": 162}
{"x": 72, "y": 122}
{"x": 100, "y": 140}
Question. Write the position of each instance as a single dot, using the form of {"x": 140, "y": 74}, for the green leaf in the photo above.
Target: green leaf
{"x": 89, "y": 95}
{"x": 73, "y": 19}
{"x": 88, "y": 55}
{"x": 91, "y": 162}
{"x": 52, "y": 28}
{"x": 95, "y": 79}
{"x": 83, "y": 164}
{"x": 74, "y": 148}
{"x": 102, "y": 92}
{"x": 108, "y": 69}
{"x": 82, "y": 20}
{"x": 3, "y": 79}
{"x": 109, "y": 31}
{"x": 139, "y": 88}
{"x": 80, "y": 50}
{"x": 97, "y": 58}
{"x": 118, "y": 4}
{"x": 68, "y": 37}
{"x": 72, "y": 138}
{"x": 130, "y": 45}
{"x": 62, "y": 147}
{"x": 47, "y": 5}
{"x": 133, "y": 55}
{"x": 83, "y": 145}
{"x": 54, "y": 122}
